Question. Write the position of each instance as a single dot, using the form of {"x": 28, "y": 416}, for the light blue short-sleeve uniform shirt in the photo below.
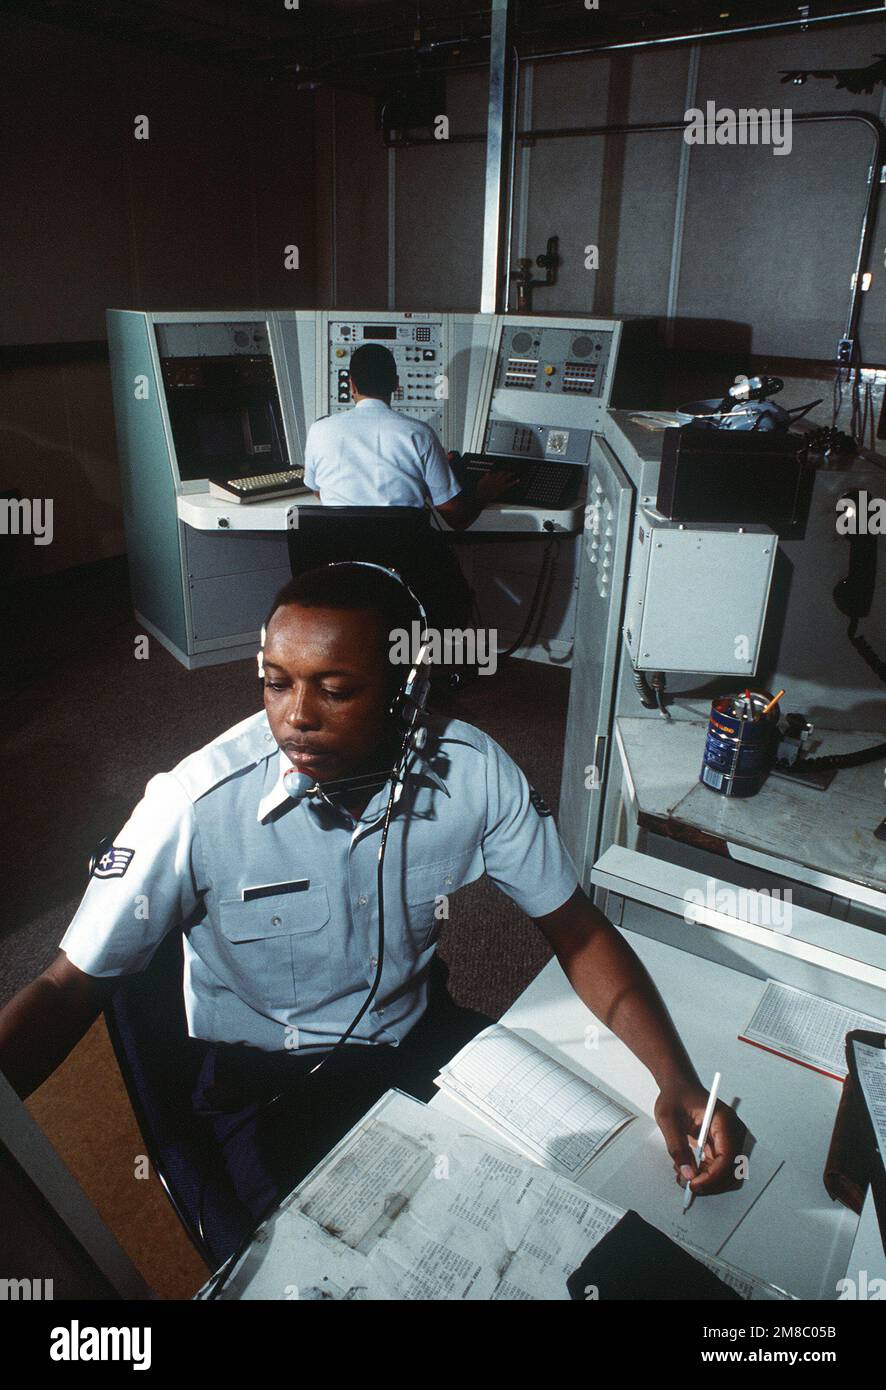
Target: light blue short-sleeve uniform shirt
{"x": 373, "y": 456}
{"x": 278, "y": 900}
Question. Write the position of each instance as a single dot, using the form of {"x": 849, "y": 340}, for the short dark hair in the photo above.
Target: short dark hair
{"x": 353, "y": 587}
{"x": 373, "y": 370}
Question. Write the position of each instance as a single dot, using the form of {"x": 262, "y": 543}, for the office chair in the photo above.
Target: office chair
{"x": 159, "y": 1064}
{"x": 402, "y": 538}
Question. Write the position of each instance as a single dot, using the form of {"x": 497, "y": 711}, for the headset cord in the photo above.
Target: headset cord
{"x": 398, "y": 779}
{"x": 220, "y": 1278}
{"x": 380, "y": 893}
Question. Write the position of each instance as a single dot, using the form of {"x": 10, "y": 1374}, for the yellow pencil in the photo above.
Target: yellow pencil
{"x": 772, "y": 703}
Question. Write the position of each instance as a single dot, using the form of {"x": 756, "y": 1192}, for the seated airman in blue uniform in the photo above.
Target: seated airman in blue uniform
{"x": 278, "y": 899}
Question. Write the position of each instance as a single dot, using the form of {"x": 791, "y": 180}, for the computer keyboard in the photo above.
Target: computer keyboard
{"x": 261, "y": 487}
{"x": 541, "y": 484}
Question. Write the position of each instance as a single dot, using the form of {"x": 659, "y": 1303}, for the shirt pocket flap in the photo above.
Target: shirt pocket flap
{"x": 425, "y": 882}
{"x": 282, "y": 914}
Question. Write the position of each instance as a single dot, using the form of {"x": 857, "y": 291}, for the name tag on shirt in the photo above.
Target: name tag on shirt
{"x": 268, "y": 890}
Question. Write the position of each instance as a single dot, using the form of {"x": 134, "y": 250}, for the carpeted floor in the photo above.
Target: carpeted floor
{"x": 84, "y": 728}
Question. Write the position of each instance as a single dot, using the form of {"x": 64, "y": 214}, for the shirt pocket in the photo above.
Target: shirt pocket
{"x": 278, "y": 948}
{"x": 426, "y": 886}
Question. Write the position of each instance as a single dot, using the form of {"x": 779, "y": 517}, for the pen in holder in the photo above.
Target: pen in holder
{"x": 740, "y": 744}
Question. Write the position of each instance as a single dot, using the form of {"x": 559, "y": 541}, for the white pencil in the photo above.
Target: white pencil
{"x": 698, "y": 1148}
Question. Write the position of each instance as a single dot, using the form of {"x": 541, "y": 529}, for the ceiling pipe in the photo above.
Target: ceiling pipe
{"x": 873, "y": 185}
{"x": 762, "y": 27}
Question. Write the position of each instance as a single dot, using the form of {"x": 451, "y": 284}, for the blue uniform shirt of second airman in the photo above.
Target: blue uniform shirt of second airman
{"x": 375, "y": 456}
{"x": 278, "y": 900}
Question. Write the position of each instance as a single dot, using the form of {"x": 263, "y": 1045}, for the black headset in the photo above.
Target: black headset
{"x": 407, "y": 708}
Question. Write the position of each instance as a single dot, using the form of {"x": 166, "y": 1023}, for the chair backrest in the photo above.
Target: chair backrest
{"x": 148, "y": 1028}
{"x": 327, "y": 534}
{"x": 402, "y": 538}
{"x": 160, "y": 1063}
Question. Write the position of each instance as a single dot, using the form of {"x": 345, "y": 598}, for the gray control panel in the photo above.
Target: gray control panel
{"x": 549, "y": 391}
{"x": 417, "y": 344}
{"x": 554, "y": 361}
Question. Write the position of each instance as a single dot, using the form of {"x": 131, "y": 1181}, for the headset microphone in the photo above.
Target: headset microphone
{"x": 298, "y": 784}
{"x": 408, "y": 713}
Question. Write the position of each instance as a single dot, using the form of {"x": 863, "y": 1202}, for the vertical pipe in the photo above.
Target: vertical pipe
{"x": 680, "y": 202}
{"x": 333, "y": 178}
{"x": 512, "y": 173}
{"x": 526, "y": 98}
{"x": 392, "y": 227}
{"x": 496, "y": 155}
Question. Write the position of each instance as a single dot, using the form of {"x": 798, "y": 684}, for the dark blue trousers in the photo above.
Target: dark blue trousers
{"x": 265, "y": 1146}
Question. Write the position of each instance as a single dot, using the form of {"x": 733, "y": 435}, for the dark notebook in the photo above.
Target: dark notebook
{"x": 635, "y": 1261}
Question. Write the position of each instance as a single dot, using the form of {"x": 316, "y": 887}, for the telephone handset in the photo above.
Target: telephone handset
{"x": 854, "y": 594}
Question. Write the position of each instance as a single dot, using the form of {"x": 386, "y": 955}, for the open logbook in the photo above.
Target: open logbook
{"x": 542, "y": 1107}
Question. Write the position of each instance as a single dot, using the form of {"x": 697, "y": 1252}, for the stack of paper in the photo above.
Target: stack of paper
{"x": 547, "y": 1111}
{"x": 413, "y": 1204}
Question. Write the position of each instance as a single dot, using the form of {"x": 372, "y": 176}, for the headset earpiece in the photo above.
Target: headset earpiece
{"x": 409, "y": 704}
{"x": 407, "y": 708}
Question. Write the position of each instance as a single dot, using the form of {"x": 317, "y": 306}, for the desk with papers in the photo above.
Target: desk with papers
{"x": 437, "y": 1202}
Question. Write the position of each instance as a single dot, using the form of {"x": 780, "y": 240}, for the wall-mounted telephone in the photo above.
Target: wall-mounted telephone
{"x": 854, "y": 596}
{"x": 854, "y": 593}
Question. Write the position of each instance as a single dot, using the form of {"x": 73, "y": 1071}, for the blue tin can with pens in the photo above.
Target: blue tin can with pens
{"x": 740, "y": 744}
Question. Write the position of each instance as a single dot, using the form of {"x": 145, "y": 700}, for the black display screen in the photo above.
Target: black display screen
{"x": 379, "y": 330}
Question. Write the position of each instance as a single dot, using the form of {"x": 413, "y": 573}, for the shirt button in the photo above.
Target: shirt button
{"x": 268, "y": 737}
{"x": 275, "y": 921}
{"x": 361, "y": 901}
{"x": 448, "y": 878}
{"x": 373, "y": 961}
{"x": 379, "y": 1012}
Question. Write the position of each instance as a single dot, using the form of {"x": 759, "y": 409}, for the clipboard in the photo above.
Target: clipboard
{"x": 854, "y": 1160}
{"x": 877, "y": 1164}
